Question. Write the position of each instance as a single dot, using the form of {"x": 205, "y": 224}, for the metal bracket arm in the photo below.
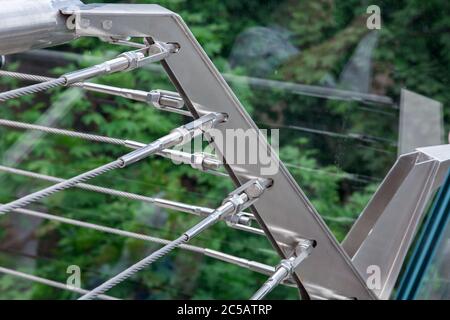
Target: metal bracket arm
{"x": 285, "y": 269}
{"x": 285, "y": 214}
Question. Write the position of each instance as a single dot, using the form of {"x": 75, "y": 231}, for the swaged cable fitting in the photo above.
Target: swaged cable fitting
{"x": 160, "y": 99}
{"x": 124, "y": 62}
{"x": 239, "y": 221}
{"x": 179, "y": 135}
{"x": 286, "y": 268}
{"x": 239, "y": 200}
{"x": 199, "y": 161}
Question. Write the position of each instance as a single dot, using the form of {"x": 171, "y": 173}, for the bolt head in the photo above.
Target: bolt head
{"x": 255, "y": 190}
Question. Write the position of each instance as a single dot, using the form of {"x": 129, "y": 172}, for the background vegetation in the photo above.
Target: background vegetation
{"x": 338, "y": 172}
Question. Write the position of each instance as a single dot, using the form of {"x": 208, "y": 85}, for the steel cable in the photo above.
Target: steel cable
{"x": 224, "y": 257}
{"x": 209, "y": 221}
{"x": 49, "y": 282}
{"x": 210, "y": 164}
{"x": 35, "y": 88}
{"x": 22, "y": 202}
{"x": 104, "y": 229}
{"x": 25, "y": 76}
{"x": 69, "y": 133}
{"x": 135, "y": 268}
{"x": 163, "y": 203}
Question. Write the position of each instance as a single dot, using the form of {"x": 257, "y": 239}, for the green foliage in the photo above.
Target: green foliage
{"x": 413, "y": 51}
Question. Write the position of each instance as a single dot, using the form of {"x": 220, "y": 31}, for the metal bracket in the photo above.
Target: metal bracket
{"x": 380, "y": 237}
{"x": 253, "y": 188}
{"x": 286, "y": 268}
{"x": 285, "y": 214}
{"x": 386, "y": 228}
{"x": 162, "y": 99}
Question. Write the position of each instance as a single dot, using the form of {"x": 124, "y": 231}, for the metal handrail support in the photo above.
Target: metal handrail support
{"x": 380, "y": 239}
{"x": 286, "y": 215}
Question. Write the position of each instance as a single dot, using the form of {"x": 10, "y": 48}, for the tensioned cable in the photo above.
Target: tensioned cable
{"x": 104, "y": 139}
{"x": 134, "y": 268}
{"x": 22, "y": 125}
{"x": 22, "y": 202}
{"x": 131, "y": 93}
{"x": 68, "y": 133}
{"x": 355, "y": 136}
{"x": 168, "y": 231}
{"x": 224, "y": 257}
{"x": 124, "y": 62}
{"x": 44, "y": 86}
{"x": 127, "y": 93}
{"x": 236, "y": 202}
{"x": 25, "y": 76}
{"x": 162, "y": 100}
{"x": 361, "y": 137}
{"x": 132, "y": 196}
{"x": 290, "y": 87}
{"x": 178, "y": 135}
{"x": 348, "y": 176}
{"x": 140, "y": 265}
{"x": 210, "y": 164}
{"x": 91, "y": 272}
{"x": 122, "y": 142}
{"x": 163, "y": 203}
{"x": 48, "y": 282}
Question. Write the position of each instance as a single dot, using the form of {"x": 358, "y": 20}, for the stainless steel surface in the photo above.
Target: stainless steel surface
{"x": 242, "y": 262}
{"x": 126, "y": 61}
{"x": 386, "y": 228}
{"x": 228, "y": 208}
{"x": 383, "y": 233}
{"x": 160, "y": 99}
{"x": 29, "y": 24}
{"x": 285, "y": 269}
{"x": 285, "y": 213}
{"x": 48, "y": 282}
{"x": 199, "y": 161}
{"x": 180, "y": 135}
{"x": 280, "y": 274}
{"x": 237, "y": 201}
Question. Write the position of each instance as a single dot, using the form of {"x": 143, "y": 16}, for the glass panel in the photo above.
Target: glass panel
{"x": 435, "y": 284}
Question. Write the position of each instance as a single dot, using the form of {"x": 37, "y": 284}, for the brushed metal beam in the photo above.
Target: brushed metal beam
{"x": 284, "y": 211}
{"x": 31, "y": 24}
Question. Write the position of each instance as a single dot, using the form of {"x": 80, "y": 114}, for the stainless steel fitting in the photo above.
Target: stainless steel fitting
{"x": 252, "y": 189}
{"x": 286, "y": 268}
{"x": 237, "y": 201}
{"x": 162, "y": 99}
{"x": 177, "y": 136}
{"x": 124, "y": 62}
